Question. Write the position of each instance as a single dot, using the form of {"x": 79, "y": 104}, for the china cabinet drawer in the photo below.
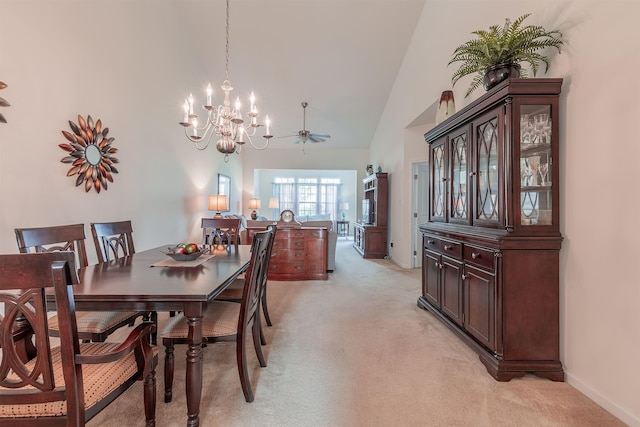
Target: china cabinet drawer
{"x": 446, "y": 247}
{"x": 452, "y": 249}
{"x": 478, "y": 256}
{"x": 431, "y": 243}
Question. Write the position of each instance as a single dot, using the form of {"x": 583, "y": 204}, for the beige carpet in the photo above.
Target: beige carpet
{"x": 356, "y": 351}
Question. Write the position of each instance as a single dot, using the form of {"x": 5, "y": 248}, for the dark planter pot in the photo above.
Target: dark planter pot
{"x": 497, "y": 73}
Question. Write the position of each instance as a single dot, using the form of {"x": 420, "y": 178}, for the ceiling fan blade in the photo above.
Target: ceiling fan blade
{"x": 318, "y": 137}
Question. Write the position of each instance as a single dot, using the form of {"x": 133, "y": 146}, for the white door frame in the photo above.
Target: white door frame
{"x": 419, "y": 209}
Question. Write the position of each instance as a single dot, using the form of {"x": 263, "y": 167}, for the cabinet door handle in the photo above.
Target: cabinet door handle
{"x": 444, "y": 179}
{"x": 475, "y": 255}
{"x": 448, "y": 247}
{"x": 431, "y": 242}
{"x": 472, "y": 174}
{"x": 464, "y": 277}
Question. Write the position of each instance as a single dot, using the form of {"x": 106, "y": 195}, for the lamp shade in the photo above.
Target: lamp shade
{"x": 254, "y": 203}
{"x": 273, "y": 203}
{"x": 218, "y": 202}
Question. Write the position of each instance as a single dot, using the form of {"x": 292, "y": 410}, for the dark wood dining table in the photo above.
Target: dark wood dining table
{"x": 131, "y": 283}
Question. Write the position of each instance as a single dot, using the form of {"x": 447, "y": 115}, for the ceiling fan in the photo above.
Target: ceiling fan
{"x": 304, "y": 135}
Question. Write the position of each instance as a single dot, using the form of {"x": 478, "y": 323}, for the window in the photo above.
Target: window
{"x": 308, "y": 196}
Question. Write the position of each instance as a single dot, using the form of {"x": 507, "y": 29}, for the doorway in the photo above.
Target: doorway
{"x": 420, "y": 208}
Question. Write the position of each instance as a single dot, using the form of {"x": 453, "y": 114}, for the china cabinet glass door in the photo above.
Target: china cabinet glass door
{"x": 438, "y": 179}
{"x": 459, "y": 170}
{"x": 536, "y": 165}
{"x": 487, "y": 172}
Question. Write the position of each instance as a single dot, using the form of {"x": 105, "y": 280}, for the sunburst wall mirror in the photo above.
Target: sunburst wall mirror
{"x": 3, "y": 103}
{"x": 90, "y": 154}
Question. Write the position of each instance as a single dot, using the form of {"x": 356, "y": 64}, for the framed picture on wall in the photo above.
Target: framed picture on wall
{"x": 224, "y": 187}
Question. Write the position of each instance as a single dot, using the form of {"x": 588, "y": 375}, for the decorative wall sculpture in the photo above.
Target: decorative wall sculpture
{"x": 3, "y": 103}
{"x": 90, "y": 154}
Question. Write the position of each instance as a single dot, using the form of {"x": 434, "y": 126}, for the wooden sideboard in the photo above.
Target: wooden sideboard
{"x": 299, "y": 253}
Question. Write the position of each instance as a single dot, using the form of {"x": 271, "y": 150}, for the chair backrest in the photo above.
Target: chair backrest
{"x": 255, "y": 276}
{"x": 23, "y": 280}
{"x": 263, "y": 284}
{"x": 112, "y": 240}
{"x": 56, "y": 238}
{"x": 221, "y": 233}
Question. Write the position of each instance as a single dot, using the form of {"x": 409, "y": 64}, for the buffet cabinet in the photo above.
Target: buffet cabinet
{"x": 491, "y": 244}
{"x": 370, "y": 232}
{"x": 298, "y": 253}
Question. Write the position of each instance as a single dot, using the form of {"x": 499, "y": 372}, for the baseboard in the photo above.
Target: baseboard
{"x": 610, "y": 406}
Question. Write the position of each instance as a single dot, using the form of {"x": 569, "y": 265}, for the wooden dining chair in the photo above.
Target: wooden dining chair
{"x": 234, "y": 291}
{"x": 221, "y": 233}
{"x": 65, "y": 385}
{"x": 226, "y": 321}
{"x": 92, "y": 325}
{"x": 114, "y": 240}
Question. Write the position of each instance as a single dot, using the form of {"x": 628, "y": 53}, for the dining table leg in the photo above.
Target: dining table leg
{"x": 194, "y": 363}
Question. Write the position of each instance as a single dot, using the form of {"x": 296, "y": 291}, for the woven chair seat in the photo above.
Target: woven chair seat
{"x": 220, "y": 320}
{"x": 234, "y": 291}
{"x": 94, "y": 322}
{"x": 99, "y": 380}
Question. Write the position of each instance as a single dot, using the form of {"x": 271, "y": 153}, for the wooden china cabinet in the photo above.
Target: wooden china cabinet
{"x": 492, "y": 242}
{"x": 370, "y": 233}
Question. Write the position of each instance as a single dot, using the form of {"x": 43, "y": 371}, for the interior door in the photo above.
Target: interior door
{"x": 420, "y": 208}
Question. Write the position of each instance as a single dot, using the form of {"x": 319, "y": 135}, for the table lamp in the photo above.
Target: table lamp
{"x": 274, "y": 204}
{"x": 254, "y": 204}
{"x": 344, "y": 206}
{"x": 217, "y": 203}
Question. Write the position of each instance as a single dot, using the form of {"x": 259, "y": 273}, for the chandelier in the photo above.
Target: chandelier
{"x": 223, "y": 121}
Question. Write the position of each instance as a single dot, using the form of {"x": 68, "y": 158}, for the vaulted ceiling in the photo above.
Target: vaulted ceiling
{"x": 340, "y": 56}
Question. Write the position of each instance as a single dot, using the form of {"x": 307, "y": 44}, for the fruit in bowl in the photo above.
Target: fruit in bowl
{"x": 191, "y": 248}
{"x": 185, "y": 252}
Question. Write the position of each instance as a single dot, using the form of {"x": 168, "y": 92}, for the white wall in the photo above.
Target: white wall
{"x": 600, "y": 103}
{"x": 61, "y": 59}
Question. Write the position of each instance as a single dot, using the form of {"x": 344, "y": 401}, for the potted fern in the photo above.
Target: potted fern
{"x": 496, "y": 54}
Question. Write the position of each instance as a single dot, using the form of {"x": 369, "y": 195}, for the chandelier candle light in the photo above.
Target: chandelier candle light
{"x": 223, "y": 121}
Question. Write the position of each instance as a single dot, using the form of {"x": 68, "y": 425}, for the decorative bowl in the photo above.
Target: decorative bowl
{"x": 185, "y": 257}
